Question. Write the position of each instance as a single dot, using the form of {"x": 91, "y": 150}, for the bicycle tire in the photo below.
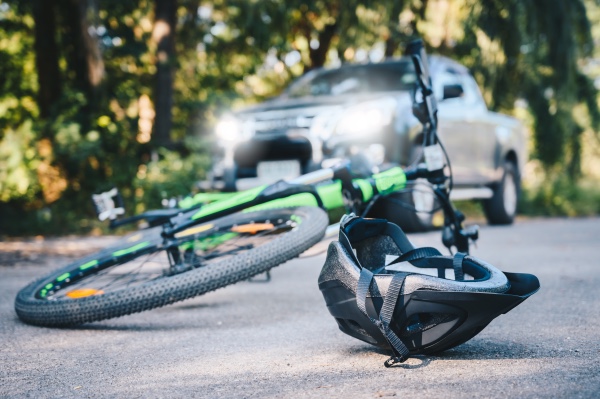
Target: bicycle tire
{"x": 47, "y": 301}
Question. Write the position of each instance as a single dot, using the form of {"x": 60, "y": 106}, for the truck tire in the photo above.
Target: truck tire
{"x": 502, "y": 207}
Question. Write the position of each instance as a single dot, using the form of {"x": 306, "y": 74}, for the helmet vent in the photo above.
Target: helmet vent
{"x": 419, "y": 322}
{"x": 348, "y": 326}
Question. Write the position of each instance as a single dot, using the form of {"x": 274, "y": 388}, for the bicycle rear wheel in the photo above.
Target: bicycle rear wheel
{"x": 145, "y": 271}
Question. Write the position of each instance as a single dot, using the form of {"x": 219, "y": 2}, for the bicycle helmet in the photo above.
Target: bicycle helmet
{"x": 409, "y": 305}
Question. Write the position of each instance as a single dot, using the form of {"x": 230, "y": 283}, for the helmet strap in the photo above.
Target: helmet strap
{"x": 383, "y": 320}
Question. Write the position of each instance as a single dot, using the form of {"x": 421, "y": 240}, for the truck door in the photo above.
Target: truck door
{"x": 456, "y": 126}
{"x": 483, "y": 134}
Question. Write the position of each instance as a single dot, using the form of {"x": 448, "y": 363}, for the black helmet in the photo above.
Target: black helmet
{"x": 407, "y": 310}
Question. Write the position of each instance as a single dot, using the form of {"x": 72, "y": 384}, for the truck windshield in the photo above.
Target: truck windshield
{"x": 367, "y": 78}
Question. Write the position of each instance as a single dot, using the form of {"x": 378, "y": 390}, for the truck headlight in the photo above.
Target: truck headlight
{"x": 366, "y": 118}
{"x": 229, "y": 129}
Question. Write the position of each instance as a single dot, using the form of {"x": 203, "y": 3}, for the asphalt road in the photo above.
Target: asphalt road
{"x": 277, "y": 339}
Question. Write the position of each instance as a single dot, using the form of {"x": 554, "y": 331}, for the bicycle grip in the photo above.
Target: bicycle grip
{"x": 391, "y": 180}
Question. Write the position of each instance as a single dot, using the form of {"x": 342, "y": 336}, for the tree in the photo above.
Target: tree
{"x": 163, "y": 35}
{"x": 92, "y": 89}
{"x": 47, "y": 57}
{"x": 539, "y": 46}
{"x": 82, "y": 48}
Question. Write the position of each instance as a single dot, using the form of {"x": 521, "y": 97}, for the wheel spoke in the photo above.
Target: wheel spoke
{"x": 113, "y": 278}
{"x": 157, "y": 264}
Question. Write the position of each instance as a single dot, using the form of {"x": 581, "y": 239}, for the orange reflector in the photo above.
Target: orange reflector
{"x": 252, "y": 228}
{"x": 83, "y": 292}
{"x": 194, "y": 230}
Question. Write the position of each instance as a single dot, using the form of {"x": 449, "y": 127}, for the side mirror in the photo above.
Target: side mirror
{"x": 453, "y": 91}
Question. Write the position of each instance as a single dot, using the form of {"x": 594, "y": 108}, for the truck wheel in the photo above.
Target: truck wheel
{"x": 502, "y": 207}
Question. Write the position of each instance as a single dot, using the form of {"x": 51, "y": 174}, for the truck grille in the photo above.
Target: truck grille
{"x": 281, "y": 125}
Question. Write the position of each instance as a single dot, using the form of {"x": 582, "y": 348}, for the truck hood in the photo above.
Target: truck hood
{"x": 284, "y": 103}
{"x": 317, "y": 114}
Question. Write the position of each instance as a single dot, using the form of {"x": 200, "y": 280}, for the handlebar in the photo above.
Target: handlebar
{"x": 416, "y": 50}
{"x": 426, "y": 109}
{"x": 419, "y": 172}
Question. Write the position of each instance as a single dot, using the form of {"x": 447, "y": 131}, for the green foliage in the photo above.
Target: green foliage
{"x": 18, "y": 161}
{"x": 562, "y": 197}
{"x": 18, "y": 109}
{"x": 169, "y": 175}
{"x": 50, "y": 167}
{"x": 232, "y": 52}
{"x": 532, "y": 50}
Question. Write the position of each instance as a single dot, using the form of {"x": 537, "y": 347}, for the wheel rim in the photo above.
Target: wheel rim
{"x": 509, "y": 195}
{"x": 146, "y": 261}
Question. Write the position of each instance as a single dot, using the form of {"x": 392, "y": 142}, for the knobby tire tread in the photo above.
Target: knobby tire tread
{"x": 165, "y": 291}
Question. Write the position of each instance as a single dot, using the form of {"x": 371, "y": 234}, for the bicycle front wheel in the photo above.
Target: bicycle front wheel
{"x": 147, "y": 271}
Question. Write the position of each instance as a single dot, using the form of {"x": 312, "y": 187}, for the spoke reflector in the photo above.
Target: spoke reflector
{"x": 194, "y": 230}
{"x": 252, "y": 228}
{"x": 84, "y": 292}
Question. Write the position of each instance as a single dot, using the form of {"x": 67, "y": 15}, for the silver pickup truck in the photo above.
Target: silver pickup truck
{"x": 364, "y": 112}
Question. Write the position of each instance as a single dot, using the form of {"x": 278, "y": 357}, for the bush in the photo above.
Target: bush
{"x": 166, "y": 174}
{"x": 561, "y": 197}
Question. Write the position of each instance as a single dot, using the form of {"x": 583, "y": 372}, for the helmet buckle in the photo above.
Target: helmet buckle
{"x": 394, "y": 360}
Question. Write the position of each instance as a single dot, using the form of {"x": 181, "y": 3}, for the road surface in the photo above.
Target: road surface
{"x": 275, "y": 340}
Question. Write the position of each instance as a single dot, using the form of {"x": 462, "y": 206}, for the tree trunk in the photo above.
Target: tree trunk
{"x": 88, "y": 12}
{"x": 82, "y": 48}
{"x": 46, "y": 52}
{"x": 164, "y": 36}
{"x": 395, "y": 35}
{"x": 318, "y": 56}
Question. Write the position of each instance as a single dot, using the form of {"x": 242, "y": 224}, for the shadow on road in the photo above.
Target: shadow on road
{"x": 472, "y": 350}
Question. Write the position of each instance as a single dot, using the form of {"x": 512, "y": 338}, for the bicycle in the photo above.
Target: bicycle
{"x": 188, "y": 252}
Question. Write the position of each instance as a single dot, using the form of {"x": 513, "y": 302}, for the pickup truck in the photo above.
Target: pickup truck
{"x": 364, "y": 112}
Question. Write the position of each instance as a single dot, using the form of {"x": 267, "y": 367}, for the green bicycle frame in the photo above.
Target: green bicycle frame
{"x": 298, "y": 192}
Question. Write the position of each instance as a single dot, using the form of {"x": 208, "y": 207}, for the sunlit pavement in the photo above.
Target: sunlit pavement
{"x": 277, "y": 339}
